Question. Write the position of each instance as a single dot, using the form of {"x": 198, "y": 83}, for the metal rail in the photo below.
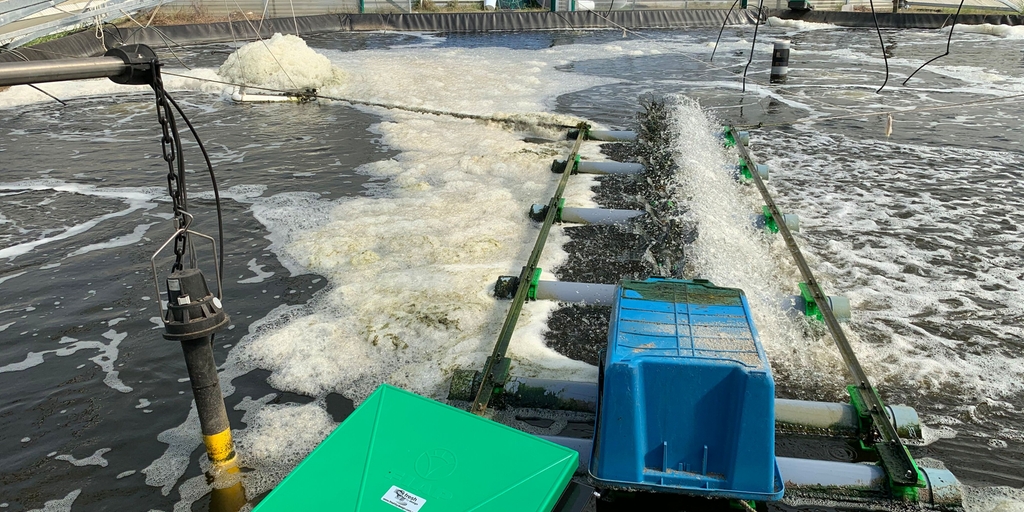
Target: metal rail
{"x": 895, "y": 458}
{"x": 496, "y": 370}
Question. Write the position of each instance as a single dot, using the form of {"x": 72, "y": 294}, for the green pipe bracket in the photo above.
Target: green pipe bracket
{"x": 499, "y": 373}
{"x": 727, "y": 139}
{"x": 810, "y": 306}
{"x": 531, "y": 293}
{"x": 558, "y": 166}
{"x": 771, "y": 226}
{"x": 745, "y": 175}
{"x": 743, "y": 505}
{"x": 886, "y": 451}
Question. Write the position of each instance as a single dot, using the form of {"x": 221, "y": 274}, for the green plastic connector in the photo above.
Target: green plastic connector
{"x": 727, "y": 138}
{"x": 769, "y": 221}
{"x": 743, "y": 505}
{"x": 745, "y": 174}
{"x": 531, "y": 292}
{"x": 864, "y": 423}
{"x": 558, "y": 211}
{"x": 810, "y": 306}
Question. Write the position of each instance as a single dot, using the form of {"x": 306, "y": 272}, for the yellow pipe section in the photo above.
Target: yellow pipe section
{"x": 219, "y": 447}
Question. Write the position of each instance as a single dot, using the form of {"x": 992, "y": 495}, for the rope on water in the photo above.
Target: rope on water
{"x": 389, "y": 106}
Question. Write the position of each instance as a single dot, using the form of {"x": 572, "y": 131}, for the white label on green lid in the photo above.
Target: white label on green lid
{"x": 403, "y": 500}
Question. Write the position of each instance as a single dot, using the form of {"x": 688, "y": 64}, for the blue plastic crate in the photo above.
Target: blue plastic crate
{"x": 687, "y": 398}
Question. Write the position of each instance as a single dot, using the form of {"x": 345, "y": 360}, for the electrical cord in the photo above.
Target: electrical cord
{"x": 948, "y": 41}
{"x": 213, "y": 180}
{"x": 721, "y": 30}
{"x": 884, "y": 56}
{"x": 757, "y": 23}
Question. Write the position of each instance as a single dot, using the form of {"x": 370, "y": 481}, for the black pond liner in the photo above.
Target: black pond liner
{"x": 87, "y": 44}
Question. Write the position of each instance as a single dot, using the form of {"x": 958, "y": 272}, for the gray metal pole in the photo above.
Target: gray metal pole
{"x": 41, "y": 71}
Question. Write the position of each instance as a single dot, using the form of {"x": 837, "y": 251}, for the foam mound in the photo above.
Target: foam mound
{"x": 281, "y": 62}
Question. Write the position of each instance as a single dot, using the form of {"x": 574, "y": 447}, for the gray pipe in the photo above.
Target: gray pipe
{"x": 828, "y": 479}
{"x": 566, "y": 291}
{"x": 790, "y": 415}
{"x": 37, "y": 72}
{"x": 600, "y": 216}
{"x": 834, "y": 480}
{"x": 611, "y": 135}
{"x": 591, "y": 167}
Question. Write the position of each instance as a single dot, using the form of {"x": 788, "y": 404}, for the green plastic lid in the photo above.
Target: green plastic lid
{"x": 402, "y": 452}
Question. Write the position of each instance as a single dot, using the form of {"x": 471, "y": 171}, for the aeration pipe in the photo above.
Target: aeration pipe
{"x": 790, "y": 415}
{"x": 575, "y": 215}
{"x": 830, "y": 480}
{"x": 592, "y": 167}
{"x": 605, "y": 135}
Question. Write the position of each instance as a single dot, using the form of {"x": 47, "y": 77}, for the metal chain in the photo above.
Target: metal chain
{"x": 171, "y": 146}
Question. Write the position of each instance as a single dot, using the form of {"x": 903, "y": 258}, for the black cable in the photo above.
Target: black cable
{"x": 120, "y": 40}
{"x": 726, "y": 20}
{"x": 213, "y": 180}
{"x": 62, "y": 102}
{"x": 757, "y": 23}
{"x": 948, "y": 41}
{"x": 884, "y": 56}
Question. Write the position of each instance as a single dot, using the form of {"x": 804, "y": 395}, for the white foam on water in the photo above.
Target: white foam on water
{"x": 106, "y": 356}
{"x": 281, "y": 62}
{"x": 277, "y": 439}
{"x": 257, "y": 269}
{"x": 132, "y": 238}
{"x": 913, "y": 261}
{"x": 1004, "y": 31}
{"x": 96, "y": 459}
{"x": 166, "y": 470}
{"x": 135, "y": 199}
{"x": 61, "y": 505}
{"x": 410, "y": 301}
{"x": 799, "y": 25}
{"x": 12, "y": 276}
{"x": 993, "y": 499}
